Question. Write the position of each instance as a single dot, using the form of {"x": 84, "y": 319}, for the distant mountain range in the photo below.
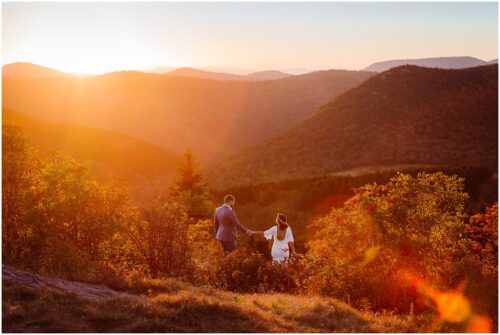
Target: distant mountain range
{"x": 26, "y": 70}
{"x": 408, "y": 115}
{"x": 144, "y": 166}
{"x": 22, "y": 70}
{"x": 440, "y": 62}
{"x": 212, "y": 117}
{"x": 256, "y": 76}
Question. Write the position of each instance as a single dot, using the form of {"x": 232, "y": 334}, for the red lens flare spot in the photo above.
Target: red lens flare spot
{"x": 479, "y": 324}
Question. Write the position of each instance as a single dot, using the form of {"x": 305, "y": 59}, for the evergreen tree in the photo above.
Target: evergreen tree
{"x": 189, "y": 177}
{"x": 190, "y": 191}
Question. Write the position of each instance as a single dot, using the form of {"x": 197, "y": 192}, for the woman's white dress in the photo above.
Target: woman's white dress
{"x": 280, "y": 251}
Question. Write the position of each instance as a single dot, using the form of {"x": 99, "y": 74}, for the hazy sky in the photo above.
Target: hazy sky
{"x": 100, "y": 37}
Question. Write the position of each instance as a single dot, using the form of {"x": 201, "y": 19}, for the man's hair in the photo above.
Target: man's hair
{"x": 229, "y": 198}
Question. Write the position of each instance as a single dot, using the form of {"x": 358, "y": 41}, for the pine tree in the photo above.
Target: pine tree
{"x": 190, "y": 191}
{"x": 189, "y": 177}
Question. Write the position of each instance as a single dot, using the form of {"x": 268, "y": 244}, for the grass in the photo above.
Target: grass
{"x": 179, "y": 307}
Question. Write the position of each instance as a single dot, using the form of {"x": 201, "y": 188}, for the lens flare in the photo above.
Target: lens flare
{"x": 370, "y": 254}
{"x": 453, "y": 307}
{"x": 479, "y": 324}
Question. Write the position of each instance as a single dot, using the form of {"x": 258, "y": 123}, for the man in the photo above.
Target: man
{"x": 226, "y": 224}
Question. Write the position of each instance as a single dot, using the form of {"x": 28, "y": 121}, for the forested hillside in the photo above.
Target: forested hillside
{"x": 419, "y": 231}
{"x": 439, "y": 62}
{"x": 407, "y": 115}
{"x": 210, "y": 117}
{"x": 147, "y": 168}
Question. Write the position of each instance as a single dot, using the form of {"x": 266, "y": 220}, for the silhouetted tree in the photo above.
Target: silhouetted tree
{"x": 190, "y": 191}
{"x": 189, "y": 177}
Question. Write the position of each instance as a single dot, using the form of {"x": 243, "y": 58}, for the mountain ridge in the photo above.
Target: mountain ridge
{"x": 107, "y": 152}
{"x": 179, "y": 113}
{"x": 433, "y": 62}
{"x": 26, "y": 70}
{"x": 406, "y": 115}
{"x": 203, "y": 74}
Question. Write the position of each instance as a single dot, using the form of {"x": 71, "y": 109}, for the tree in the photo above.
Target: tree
{"x": 57, "y": 217}
{"x": 189, "y": 177}
{"x": 20, "y": 168}
{"x": 189, "y": 190}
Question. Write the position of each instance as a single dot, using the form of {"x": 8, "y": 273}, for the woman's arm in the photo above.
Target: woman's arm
{"x": 291, "y": 246}
{"x": 258, "y": 232}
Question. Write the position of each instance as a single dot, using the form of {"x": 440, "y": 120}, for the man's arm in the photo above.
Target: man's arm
{"x": 216, "y": 224}
{"x": 239, "y": 226}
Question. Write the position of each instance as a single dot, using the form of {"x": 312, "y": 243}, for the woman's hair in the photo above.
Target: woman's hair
{"x": 282, "y": 221}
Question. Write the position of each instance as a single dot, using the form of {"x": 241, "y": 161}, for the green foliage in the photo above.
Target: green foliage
{"x": 482, "y": 231}
{"x": 206, "y": 252}
{"x": 125, "y": 157}
{"x": 189, "y": 178}
{"x": 161, "y": 239}
{"x": 197, "y": 206}
{"x": 303, "y": 200}
{"x": 19, "y": 169}
{"x": 190, "y": 191}
{"x": 58, "y": 219}
{"x": 410, "y": 224}
{"x": 252, "y": 272}
{"x": 62, "y": 215}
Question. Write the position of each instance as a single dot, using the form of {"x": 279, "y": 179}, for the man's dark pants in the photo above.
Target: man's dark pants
{"x": 228, "y": 246}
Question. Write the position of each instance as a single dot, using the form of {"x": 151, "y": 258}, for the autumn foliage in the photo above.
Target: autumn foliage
{"x": 392, "y": 246}
{"x": 482, "y": 231}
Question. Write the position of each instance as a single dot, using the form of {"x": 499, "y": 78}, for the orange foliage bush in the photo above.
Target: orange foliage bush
{"x": 482, "y": 230}
{"x": 410, "y": 224}
{"x": 242, "y": 272}
{"x": 161, "y": 239}
{"x": 61, "y": 216}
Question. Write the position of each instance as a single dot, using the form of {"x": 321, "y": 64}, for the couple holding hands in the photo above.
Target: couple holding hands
{"x": 226, "y": 226}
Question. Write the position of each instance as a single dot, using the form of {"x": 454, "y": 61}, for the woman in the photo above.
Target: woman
{"x": 282, "y": 239}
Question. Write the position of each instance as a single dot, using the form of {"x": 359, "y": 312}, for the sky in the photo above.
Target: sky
{"x": 95, "y": 37}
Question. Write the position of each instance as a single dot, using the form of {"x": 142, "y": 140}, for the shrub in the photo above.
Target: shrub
{"x": 410, "y": 224}
{"x": 482, "y": 231}
{"x": 161, "y": 239}
{"x": 206, "y": 252}
{"x": 57, "y": 216}
{"x": 253, "y": 273}
{"x": 482, "y": 276}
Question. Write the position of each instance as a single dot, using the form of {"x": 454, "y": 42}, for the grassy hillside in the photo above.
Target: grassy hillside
{"x": 141, "y": 164}
{"x": 211, "y": 117}
{"x": 172, "y": 306}
{"x": 407, "y": 115}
